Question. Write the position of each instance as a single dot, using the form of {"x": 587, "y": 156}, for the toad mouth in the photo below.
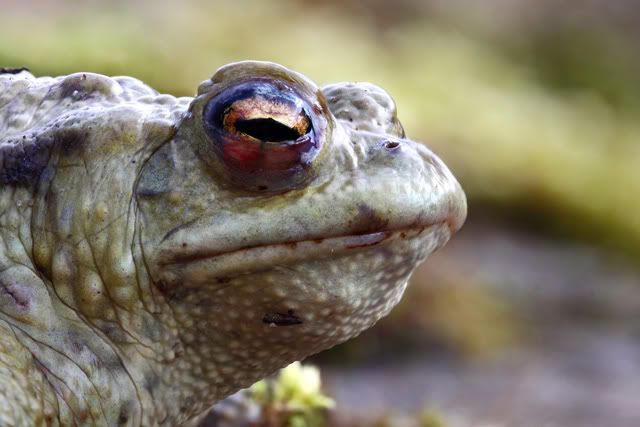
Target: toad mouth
{"x": 264, "y": 256}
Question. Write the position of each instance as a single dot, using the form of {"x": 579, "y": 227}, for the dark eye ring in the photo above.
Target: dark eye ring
{"x": 265, "y": 134}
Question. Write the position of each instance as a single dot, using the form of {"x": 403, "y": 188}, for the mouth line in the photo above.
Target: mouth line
{"x": 288, "y": 249}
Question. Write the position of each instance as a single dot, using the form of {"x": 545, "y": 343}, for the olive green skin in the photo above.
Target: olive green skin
{"x": 140, "y": 282}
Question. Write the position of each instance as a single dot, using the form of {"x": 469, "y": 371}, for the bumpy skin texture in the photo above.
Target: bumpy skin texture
{"x": 140, "y": 282}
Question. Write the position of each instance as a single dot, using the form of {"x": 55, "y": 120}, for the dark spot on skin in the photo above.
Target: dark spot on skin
{"x": 22, "y": 162}
{"x": 223, "y": 280}
{"x": 18, "y": 294}
{"x": 146, "y": 192}
{"x": 70, "y": 141}
{"x": 188, "y": 404}
{"x": 9, "y": 70}
{"x": 75, "y": 346}
{"x": 172, "y": 293}
{"x": 262, "y": 188}
{"x": 114, "y": 333}
{"x": 178, "y": 350}
{"x": 360, "y": 104}
{"x": 123, "y": 416}
{"x": 73, "y": 89}
{"x": 184, "y": 245}
{"x": 281, "y": 319}
{"x": 162, "y": 286}
{"x": 151, "y": 382}
{"x": 368, "y": 220}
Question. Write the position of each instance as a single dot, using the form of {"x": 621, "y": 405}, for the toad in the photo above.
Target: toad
{"x": 158, "y": 253}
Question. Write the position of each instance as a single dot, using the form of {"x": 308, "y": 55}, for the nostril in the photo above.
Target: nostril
{"x": 391, "y": 145}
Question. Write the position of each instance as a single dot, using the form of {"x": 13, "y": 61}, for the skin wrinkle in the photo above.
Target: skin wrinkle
{"x": 11, "y": 196}
{"x": 86, "y": 168}
{"x": 97, "y": 331}
{"x": 25, "y": 248}
{"x": 87, "y": 237}
{"x": 116, "y": 353}
{"x": 124, "y": 327}
{"x": 98, "y": 271}
{"x": 62, "y": 235}
{"x": 113, "y": 301}
{"x": 133, "y": 207}
{"x": 70, "y": 361}
{"x": 39, "y": 108}
{"x": 18, "y": 262}
{"x": 47, "y": 374}
{"x": 178, "y": 337}
{"x": 38, "y": 365}
{"x": 145, "y": 266}
{"x": 9, "y": 327}
{"x": 116, "y": 306}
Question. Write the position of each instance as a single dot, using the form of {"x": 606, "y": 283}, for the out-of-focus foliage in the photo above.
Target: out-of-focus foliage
{"x": 293, "y": 399}
{"x": 545, "y": 126}
{"x": 431, "y": 418}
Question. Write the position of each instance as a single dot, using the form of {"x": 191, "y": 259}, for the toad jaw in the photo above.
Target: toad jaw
{"x": 375, "y": 209}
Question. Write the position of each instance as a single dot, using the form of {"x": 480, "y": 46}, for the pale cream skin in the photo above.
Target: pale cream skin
{"x": 140, "y": 281}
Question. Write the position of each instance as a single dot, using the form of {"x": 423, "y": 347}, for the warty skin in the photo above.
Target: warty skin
{"x": 145, "y": 275}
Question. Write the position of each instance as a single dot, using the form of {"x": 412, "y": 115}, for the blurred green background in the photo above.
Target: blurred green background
{"x": 530, "y": 316}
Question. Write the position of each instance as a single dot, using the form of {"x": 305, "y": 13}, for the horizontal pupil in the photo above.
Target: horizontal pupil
{"x": 266, "y": 129}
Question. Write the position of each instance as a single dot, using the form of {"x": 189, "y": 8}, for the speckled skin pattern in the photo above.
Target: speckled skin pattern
{"x": 138, "y": 285}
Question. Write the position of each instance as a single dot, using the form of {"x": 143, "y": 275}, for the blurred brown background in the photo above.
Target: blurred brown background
{"x": 529, "y": 317}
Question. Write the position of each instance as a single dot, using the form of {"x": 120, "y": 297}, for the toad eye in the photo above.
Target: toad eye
{"x": 266, "y": 135}
{"x": 266, "y": 120}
